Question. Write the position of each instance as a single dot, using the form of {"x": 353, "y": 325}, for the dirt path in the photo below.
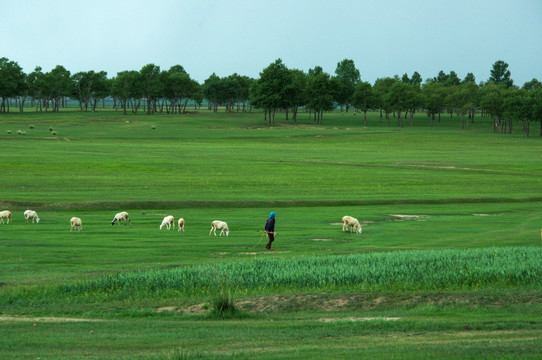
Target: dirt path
{"x": 47, "y": 319}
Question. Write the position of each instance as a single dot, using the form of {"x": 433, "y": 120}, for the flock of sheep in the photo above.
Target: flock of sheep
{"x": 349, "y": 223}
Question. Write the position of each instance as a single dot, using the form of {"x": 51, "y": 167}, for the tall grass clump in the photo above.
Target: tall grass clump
{"x": 223, "y": 302}
{"x": 433, "y": 270}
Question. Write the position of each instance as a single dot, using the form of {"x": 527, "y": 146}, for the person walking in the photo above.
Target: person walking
{"x": 270, "y": 230}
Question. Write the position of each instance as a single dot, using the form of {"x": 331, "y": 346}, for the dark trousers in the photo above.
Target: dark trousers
{"x": 271, "y": 239}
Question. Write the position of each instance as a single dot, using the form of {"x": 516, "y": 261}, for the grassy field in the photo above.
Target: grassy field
{"x": 433, "y": 201}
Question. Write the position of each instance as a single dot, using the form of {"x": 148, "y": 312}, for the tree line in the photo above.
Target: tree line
{"x": 285, "y": 90}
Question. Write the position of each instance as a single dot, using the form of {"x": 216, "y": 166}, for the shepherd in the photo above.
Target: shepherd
{"x": 270, "y": 230}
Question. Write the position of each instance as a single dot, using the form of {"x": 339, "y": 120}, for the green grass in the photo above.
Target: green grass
{"x": 460, "y": 271}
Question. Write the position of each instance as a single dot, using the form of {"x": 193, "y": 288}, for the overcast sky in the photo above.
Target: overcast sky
{"x": 383, "y": 38}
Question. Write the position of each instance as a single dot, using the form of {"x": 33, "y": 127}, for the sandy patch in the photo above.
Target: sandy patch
{"x": 359, "y": 319}
{"x": 263, "y": 252}
{"x": 47, "y": 319}
{"x": 166, "y": 309}
{"x": 409, "y": 217}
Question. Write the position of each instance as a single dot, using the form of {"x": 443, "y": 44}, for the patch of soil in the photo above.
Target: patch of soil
{"x": 402, "y": 217}
{"x": 166, "y": 309}
{"x": 358, "y": 319}
{"x": 263, "y": 252}
{"x": 47, "y": 319}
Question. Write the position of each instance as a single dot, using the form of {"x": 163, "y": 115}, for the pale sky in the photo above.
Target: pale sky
{"x": 383, "y": 38}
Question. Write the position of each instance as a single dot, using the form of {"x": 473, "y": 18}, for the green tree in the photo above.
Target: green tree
{"x": 151, "y": 85}
{"x": 399, "y": 97}
{"x": 363, "y": 98}
{"x": 211, "y": 91}
{"x": 462, "y": 100}
{"x": 176, "y": 87}
{"x": 469, "y": 78}
{"x": 532, "y": 85}
{"x": 536, "y": 106}
{"x": 416, "y": 79}
{"x": 124, "y": 87}
{"x": 517, "y": 107}
{"x": 273, "y": 90}
{"x": 321, "y": 92}
{"x": 57, "y": 85}
{"x": 492, "y": 101}
{"x": 433, "y": 95}
{"x": 500, "y": 74}
{"x": 12, "y": 82}
{"x": 347, "y": 77}
{"x": 88, "y": 87}
{"x": 381, "y": 89}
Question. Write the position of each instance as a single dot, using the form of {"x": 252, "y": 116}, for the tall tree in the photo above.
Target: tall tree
{"x": 88, "y": 86}
{"x": 321, "y": 92}
{"x": 211, "y": 91}
{"x": 363, "y": 98}
{"x": 433, "y": 94}
{"x": 151, "y": 85}
{"x": 57, "y": 85}
{"x": 12, "y": 82}
{"x": 532, "y": 85}
{"x": 34, "y": 83}
{"x": 469, "y": 78}
{"x": 500, "y": 74}
{"x": 176, "y": 82}
{"x": 125, "y": 88}
{"x": 273, "y": 90}
{"x": 348, "y": 76}
{"x": 536, "y": 106}
{"x": 491, "y": 100}
{"x": 381, "y": 89}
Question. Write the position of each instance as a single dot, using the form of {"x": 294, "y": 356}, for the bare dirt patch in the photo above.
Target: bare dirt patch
{"x": 57, "y": 138}
{"x": 359, "y": 319}
{"x": 354, "y": 302}
{"x": 402, "y": 217}
{"x": 263, "y": 252}
{"x": 220, "y": 253}
{"x": 166, "y": 309}
{"x": 47, "y": 319}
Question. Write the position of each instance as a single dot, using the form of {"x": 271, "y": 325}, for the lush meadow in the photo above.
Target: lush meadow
{"x": 447, "y": 265}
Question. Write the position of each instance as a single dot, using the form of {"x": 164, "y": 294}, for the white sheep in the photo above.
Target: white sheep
{"x": 180, "y": 224}
{"x": 76, "y": 222}
{"x": 352, "y": 222}
{"x": 121, "y": 216}
{"x": 219, "y": 225}
{"x": 169, "y": 222}
{"x": 6, "y": 214}
{"x": 31, "y": 214}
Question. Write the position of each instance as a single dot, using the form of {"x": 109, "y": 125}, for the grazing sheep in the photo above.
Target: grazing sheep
{"x": 121, "y": 216}
{"x": 6, "y": 214}
{"x": 31, "y": 214}
{"x": 353, "y": 223}
{"x": 219, "y": 225}
{"x": 169, "y": 222}
{"x": 75, "y": 222}
{"x": 180, "y": 226}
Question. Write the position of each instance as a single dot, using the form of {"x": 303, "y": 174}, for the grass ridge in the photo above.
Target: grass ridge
{"x": 257, "y": 204}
